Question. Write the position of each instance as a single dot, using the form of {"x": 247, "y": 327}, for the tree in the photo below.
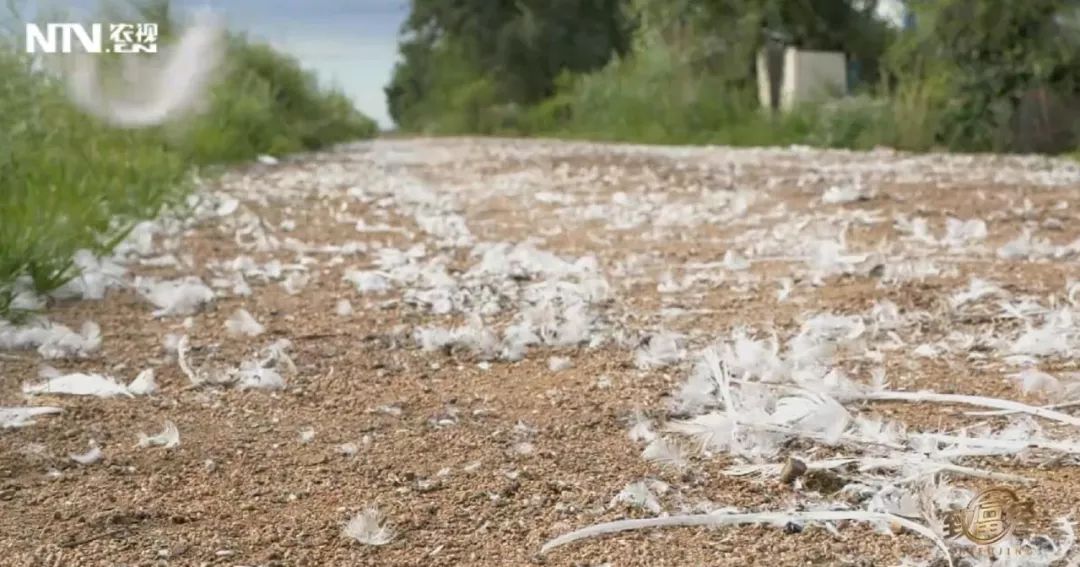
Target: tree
{"x": 732, "y": 31}
{"x": 509, "y": 51}
{"x": 1009, "y": 72}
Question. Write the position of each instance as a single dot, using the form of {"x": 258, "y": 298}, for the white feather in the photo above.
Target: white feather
{"x": 735, "y": 262}
{"x": 960, "y": 233}
{"x": 1052, "y": 338}
{"x": 88, "y": 458}
{"x": 252, "y": 376}
{"x": 983, "y": 401}
{"x": 369, "y": 528}
{"x": 640, "y": 495}
{"x": 243, "y": 323}
{"x": 713, "y": 430}
{"x": 641, "y": 429}
{"x": 812, "y": 413}
{"x": 168, "y": 438}
{"x": 295, "y": 282}
{"x": 559, "y": 363}
{"x": 662, "y": 349}
{"x": 1035, "y": 381}
{"x": 78, "y": 384}
{"x": 840, "y": 194}
{"x": 1024, "y": 247}
{"x": 368, "y": 281}
{"x": 977, "y": 289}
{"x": 775, "y": 518}
{"x": 143, "y": 384}
{"x": 664, "y": 452}
{"x": 185, "y": 296}
{"x": 95, "y": 276}
{"x": 23, "y": 416}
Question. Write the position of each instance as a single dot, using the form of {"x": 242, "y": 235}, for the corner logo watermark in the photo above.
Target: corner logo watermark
{"x": 63, "y": 37}
{"x": 989, "y": 517}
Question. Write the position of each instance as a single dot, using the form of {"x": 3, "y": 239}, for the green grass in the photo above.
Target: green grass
{"x": 69, "y": 182}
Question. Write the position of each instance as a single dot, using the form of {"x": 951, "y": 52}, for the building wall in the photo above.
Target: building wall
{"x": 807, "y": 76}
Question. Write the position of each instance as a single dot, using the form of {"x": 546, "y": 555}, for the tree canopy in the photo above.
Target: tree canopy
{"x": 506, "y": 50}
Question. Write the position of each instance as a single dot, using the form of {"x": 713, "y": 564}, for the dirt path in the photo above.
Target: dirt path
{"x": 494, "y": 342}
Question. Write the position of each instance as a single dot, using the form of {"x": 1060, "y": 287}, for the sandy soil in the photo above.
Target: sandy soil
{"x": 475, "y": 462}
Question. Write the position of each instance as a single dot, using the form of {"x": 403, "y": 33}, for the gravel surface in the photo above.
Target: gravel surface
{"x": 488, "y": 343}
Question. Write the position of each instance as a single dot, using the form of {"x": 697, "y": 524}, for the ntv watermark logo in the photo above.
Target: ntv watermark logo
{"x": 62, "y": 37}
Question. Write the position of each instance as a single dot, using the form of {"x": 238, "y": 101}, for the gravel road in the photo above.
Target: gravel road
{"x": 451, "y": 351}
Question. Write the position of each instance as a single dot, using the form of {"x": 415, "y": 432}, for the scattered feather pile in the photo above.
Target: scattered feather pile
{"x": 261, "y": 372}
{"x": 750, "y": 398}
{"x": 52, "y": 341}
{"x": 96, "y": 275}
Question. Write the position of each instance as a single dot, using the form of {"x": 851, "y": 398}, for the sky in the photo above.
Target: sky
{"x": 351, "y": 44}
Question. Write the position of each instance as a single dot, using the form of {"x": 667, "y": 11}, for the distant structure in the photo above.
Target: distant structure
{"x": 788, "y": 77}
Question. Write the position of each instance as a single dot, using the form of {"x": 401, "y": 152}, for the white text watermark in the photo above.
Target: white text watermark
{"x": 63, "y": 37}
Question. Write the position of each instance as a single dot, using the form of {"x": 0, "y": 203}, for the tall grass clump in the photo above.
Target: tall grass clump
{"x": 660, "y": 94}
{"x": 458, "y": 97}
{"x": 69, "y": 181}
{"x": 652, "y": 96}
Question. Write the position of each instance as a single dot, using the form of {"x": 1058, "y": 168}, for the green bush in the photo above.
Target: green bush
{"x": 657, "y": 95}
{"x": 651, "y": 96}
{"x": 267, "y": 103}
{"x": 458, "y": 98}
{"x": 857, "y": 122}
{"x": 1001, "y": 76}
